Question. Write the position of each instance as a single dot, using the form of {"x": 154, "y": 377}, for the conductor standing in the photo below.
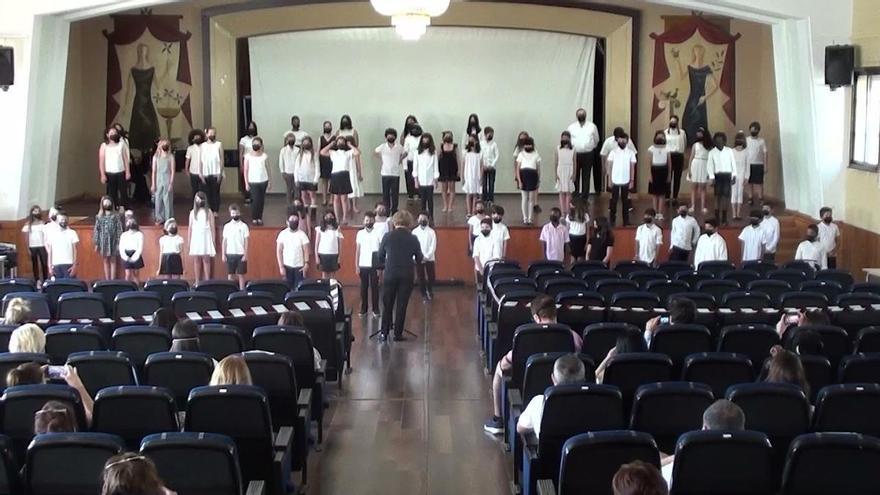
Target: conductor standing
{"x": 401, "y": 251}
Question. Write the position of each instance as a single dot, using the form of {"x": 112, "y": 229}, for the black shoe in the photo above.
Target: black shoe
{"x": 382, "y": 337}
{"x": 399, "y": 338}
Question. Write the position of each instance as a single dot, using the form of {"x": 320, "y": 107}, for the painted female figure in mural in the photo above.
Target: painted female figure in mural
{"x": 144, "y": 126}
{"x": 698, "y": 73}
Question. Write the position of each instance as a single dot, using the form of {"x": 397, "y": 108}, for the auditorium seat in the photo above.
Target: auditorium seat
{"x": 680, "y": 340}
{"x": 717, "y": 288}
{"x": 545, "y": 276}
{"x": 859, "y": 368}
{"x": 829, "y": 288}
{"x": 11, "y": 360}
{"x": 719, "y": 370}
{"x": 665, "y": 288}
{"x": 851, "y": 407}
{"x": 799, "y": 300}
{"x": 133, "y": 412}
{"x": 856, "y": 299}
{"x": 670, "y": 268}
{"x": 577, "y": 309}
{"x": 536, "y": 266}
{"x": 220, "y": 288}
{"x": 773, "y": 288}
{"x": 869, "y": 287}
{"x": 693, "y": 277}
{"x": 19, "y": 404}
{"x": 593, "y": 277}
{"x": 5, "y": 334}
{"x": 54, "y": 288}
{"x": 139, "y": 341}
{"x": 630, "y": 371}
{"x": 838, "y": 463}
{"x": 752, "y": 341}
{"x": 179, "y": 372}
{"x": 803, "y": 266}
{"x": 38, "y": 302}
{"x": 197, "y": 463}
{"x": 794, "y": 278}
{"x": 75, "y": 305}
{"x": 246, "y": 300}
{"x": 108, "y": 289}
{"x": 635, "y": 308}
{"x": 743, "y": 299}
{"x": 643, "y": 277}
{"x": 601, "y": 408}
{"x": 218, "y": 340}
{"x": 578, "y": 268}
{"x": 700, "y": 300}
{"x": 608, "y": 288}
{"x": 102, "y": 369}
{"x": 10, "y": 479}
{"x": 513, "y": 311}
{"x": 818, "y": 371}
{"x": 742, "y": 277}
{"x": 8, "y": 285}
{"x": 278, "y": 288}
{"x": 328, "y": 337}
{"x": 716, "y": 268}
{"x": 68, "y": 463}
{"x": 723, "y": 463}
{"x": 194, "y": 302}
{"x": 626, "y": 267}
{"x": 868, "y": 340}
{"x": 263, "y": 453}
{"x": 842, "y": 277}
{"x": 506, "y": 285}
{"x": 556, "y": 286}
{"x": 166, "y": 288}
{"x": 836, "y": 343}
{"x": 759, "y": 266}
{"x": 666, "y": 410}
{"x": 62, "y": 340}
{"x": 599, "y": 338}
{"x": 136, "y": 303}
{"x": 590, "y": 460}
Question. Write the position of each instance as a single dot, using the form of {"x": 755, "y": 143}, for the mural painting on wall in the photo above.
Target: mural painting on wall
{"x": 695, "y": 74}
{"x": 148, "y": 78}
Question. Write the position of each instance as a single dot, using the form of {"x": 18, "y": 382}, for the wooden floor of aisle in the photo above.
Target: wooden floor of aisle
{"x": 409, "y": 418}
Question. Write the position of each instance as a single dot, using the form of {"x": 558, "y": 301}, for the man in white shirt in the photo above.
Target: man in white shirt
{"x": 426, "y": 269}
{"x": 684, "y": 235}
{"x": 500, "y": 232}
{"x": 710, "y": 246}
{"x": 829, "y": 235}
{"x": 649, "y": 238}
{"x": 721, "y": 166}
{"x": 812, "y": 250}
{"x": 61, "y": 246}
{"x": 611, "y": 142}
{"x": 621, "y": 177}
{"x": 292, "y": 252}
{"x": 676, "y": 143}
{"x": 722, "y": 415}
{"x": 584, "y": 140}
{"x": 366, "y": 245}
{"x": 392, "y": 154}
{"x": 485, "y": 248}
{"x": 235, "y": 246}
{"x": 489, "y": 154}
{"x": 295, "y": 131}
{"x": 753, "y": 238}
{"x": 756, "y": 158}
{"x": 194, "y": 161}
{"x": 567, "y": 370}
{"x": 770, "y": 228}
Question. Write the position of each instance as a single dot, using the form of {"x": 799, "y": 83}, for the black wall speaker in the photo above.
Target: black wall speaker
{"x": 839, "y": 60}
{"x": 7, "y": 66}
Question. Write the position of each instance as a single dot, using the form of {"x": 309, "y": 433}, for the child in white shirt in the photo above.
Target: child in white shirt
{"x": 327, "y": 243}
{"x": 235, "y": 245}
{"x": 649, "y": 238}
{"x": 131, "y": 250}
{"x": 366, "y": 246}
{"x": 170, "y": 247}
{"x": 426, "y": 269}
{"x": 489, "y": 152}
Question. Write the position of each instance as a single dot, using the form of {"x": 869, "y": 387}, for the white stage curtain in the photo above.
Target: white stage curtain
{"x": 513, "y": 79}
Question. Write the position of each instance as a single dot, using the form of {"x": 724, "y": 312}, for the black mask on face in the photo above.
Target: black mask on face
{"x": 63, "y": 224}
{"x": 754, "y": 132}
{"x": 212, "y": 137}
{"x": 766, "y": 213}
{"x": 106, "y": 205}
{"x": 257, "y": 146}
{"x": 114, "y": 138}
{"x": 423, "y": 223}
{"x": 485, "y": 233}
{"x": 659, "y": 141}
{"x": 291, "y": 142}
{"x": 293, "y": 224}
{"x": 166, "y": 147}
{"x": 648, "y": 220}
{"x": 582, "y": 118}
{"x": 710, "y": 232}
{"x": 554, "y": 219}
{"x": 740, "y": 142}
{"x": 621, "y": 144}
{"x": 390, "y": 139}
{"x": 673, "y": 124}
{"x": 200, "y": 203}
{"x": 172, "y": 230}
{"x": 328, "y": 130}
{"x": 36, "y": 215}
{"x": 496, "y": 219}
{"x": 447, "y": 139}
{"x": 811, "y": 237}
{"x": 369, "y": 225}
{"x": 683, "y": 214}
{"x": 197, "y": 140}
{"x": 235, "y": 217}
{"x": 251, "y": 132}
{"x": 480, "y": 211}
{"x": 529, "y": 149}
{"x": 755, "y": 221}
{"x": 827, "y": 219}
{"x": 719, "y": 144}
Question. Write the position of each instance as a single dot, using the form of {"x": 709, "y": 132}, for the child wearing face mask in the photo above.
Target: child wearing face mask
{"x": 425, "y": 172}
{"x": 245, "y": 146}
{"x": 474, "y": 224}
{"x": 649, "y": 238}
{"x": 355, "y": 176}
{"x": 500, "y": 232}
{"x": 473, "y": 168}
{"x": 105, "y": 236}
{"x": 740, "y": 157}
{"x": 757, "y": 157}
{"x": 428, "y": 243}
{"x": 256, "y": 175}
{"x": 235, "y": 246}
{"x": 131, "y": 250}
{"x": 577, "y": 221}
{"x": 485, "y": 249}
{"x": 710, "y": 246}
{"x": 201, "y": 237}
{"x": 554, "y": 237}
{"x": 328, "y": 240}
{"x": 697, "y": 173}
{"x": 61, "y": 249}
{"x": 287, "y": 162}
{"x": 528, "y": 163}
{"x": 292, "y": 252}
{"x": 564, "y": 159}
{"x": 449, "y": 165}
{"x": 325, "y": 165}
{"x": 366, "y": 246}
{"x": 341, "y": 155}
{"x": 676, "y": 142}
{"x": 812, "y": 250}
{"x": 661, "y": 164}
{"x": 307, "y": 174}
{"x": 753, "y": 238}
{"x": 721, "y": 168}
{"x": 163, "y": 180}
{"x": 211, "y": 156}
{"x": 170, "y": 247}
{"x": 193, "y": 167}
{"x": 383, "y": 225}
{"x": 114, "y": 166}
{"x": 35, "y": 239}
{"x": 490, "y": 155}
{"x": 411, "y": 136}
{"x": 828, "y": 235}
{"x": 391, "y": 154}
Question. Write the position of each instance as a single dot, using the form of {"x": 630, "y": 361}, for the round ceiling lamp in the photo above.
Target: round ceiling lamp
{"x": 410, "y": 18}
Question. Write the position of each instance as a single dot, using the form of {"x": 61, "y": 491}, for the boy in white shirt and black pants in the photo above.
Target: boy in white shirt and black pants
{"x": 489, "y": 152}
{"x": 649, "y": 238}
{"x": 829, "y": 233}
{"x": 235, "y": 244}
{"x": 756, "y": 155}
{"x": 426, "y": 269}
{"x": 292, "y": 252}
{"x": 391, "y": 154}
{"x": 366, "y": 246}
{"x": 721, "y": 166}
{"x": 621, "y": 171}
{"x": 61, "y": 244}
{"x": 753, "y": 238}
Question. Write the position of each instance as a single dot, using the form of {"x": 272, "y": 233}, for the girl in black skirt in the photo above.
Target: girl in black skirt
{"x": 577, "y": 231}
{"x": 170, "y": 247}
{"x": 528, "y": 162}
{"x": 328, "y": 240}
{"x": 131, "y": 250}
{"x": 449, "y": 165}
{"x": 661, "y": 164}
{"x": 325, "y": 165}
{"x": 342, "y": 155}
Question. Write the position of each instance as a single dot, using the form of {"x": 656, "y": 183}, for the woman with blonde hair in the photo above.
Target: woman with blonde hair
{"x": 28, "y": 338}
{"x": 18, "y": 311}
{"x": 105, "y": 237}
{"x": 231, "y": 370}
{"x": 132, "y": 474}
{"x": 201, "y": 237}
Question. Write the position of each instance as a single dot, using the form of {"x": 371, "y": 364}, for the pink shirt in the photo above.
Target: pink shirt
{"x": 555, "y": 239}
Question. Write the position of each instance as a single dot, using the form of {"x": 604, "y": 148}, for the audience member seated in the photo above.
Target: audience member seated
{"x": 629, "y": 341}
{"x": 638, "y": 478}
{"x": 164, "y": 318}
{"x": 295, "y": 319}
{"x": 54, "y": 417}
{"x": 132, "y": 474}
{"x": 34, "y": 374}
{"x": 807, "y": 342}
{"x": 185, "y": 336}
{"x": 789, "y": 325}
{"x": 232, "y": 370}
{"x": 543, "y": 311}
{"x": 28, "y": 338}
{"x": 18, "y": 311}
{"x": 785, "y": 367}
{"x": 682, "y": 311}
{"x": 567, "y": 370}
{"x": 722, "y": 415}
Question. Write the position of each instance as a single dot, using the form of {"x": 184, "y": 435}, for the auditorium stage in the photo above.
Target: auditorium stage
{"x": 453, "y": 264}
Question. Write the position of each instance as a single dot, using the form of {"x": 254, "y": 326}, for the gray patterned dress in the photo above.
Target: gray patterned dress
{"x": 108, "y": 228}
